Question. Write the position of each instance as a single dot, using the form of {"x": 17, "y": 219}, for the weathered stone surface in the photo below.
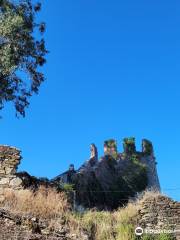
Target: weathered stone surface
{"x": 153, "y": 180}
{"x": 110, "y": 147}
{"x": 30, "y": 228}
{"x": 9, "y": 178}
{"x": 147, "y": 147}
{"x": 160, "y": 213}
{"x": 9, "y": 160}
{"x": 129, "y": 145}
{"x": 4, "y": 181}
{"x": 94, "y": 152}
{"x": 16, "y": 182}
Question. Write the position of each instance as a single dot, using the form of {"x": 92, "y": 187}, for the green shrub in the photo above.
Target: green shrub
{"x": 111, "y": 148}
{"x": 129, "y": 145}
{"x": 68, "y": 187}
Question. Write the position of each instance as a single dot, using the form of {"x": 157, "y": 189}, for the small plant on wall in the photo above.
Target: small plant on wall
{"x": 129, "y": 145}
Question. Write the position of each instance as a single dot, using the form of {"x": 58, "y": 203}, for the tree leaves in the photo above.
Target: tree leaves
{"x": 21, "y": 53}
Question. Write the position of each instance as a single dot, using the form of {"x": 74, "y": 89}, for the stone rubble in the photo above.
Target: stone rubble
{"x": 16, "y": 227}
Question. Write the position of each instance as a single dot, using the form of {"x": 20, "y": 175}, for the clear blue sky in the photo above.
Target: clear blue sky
{"x": 113, "y": 71}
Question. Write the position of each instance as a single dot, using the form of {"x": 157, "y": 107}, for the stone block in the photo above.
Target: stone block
{"x": 16, "y": 182}
{"x": 4, "y": 181}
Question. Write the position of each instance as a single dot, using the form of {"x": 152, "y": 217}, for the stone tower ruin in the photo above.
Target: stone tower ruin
{"x": 148, "y": 158}
{"x": 10, "y": 159}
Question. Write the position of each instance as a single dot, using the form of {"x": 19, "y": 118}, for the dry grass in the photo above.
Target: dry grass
{"x": 126, "y": 220}
{"x": 99, "y": 225}
{"x": 117, "y": 225}
{"x": 149, "y": 194}
{"x": 44, "y": 203}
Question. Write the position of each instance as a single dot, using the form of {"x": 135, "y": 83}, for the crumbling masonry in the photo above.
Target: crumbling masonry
{"x": 9, "y": 160}
{"x": 146, "y": 156}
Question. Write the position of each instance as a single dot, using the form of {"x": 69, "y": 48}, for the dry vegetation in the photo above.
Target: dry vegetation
{"x": 98, "y": 225}
{"x": 44, "y": 203}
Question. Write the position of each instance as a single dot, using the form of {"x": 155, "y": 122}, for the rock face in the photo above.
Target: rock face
{"x": 160, "y": 213}
{"x": 110, "y": 181}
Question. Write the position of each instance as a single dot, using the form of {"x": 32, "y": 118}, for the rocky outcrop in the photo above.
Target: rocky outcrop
{"x": 160, "y": 213}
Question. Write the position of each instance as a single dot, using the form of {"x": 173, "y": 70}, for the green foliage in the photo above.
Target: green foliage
{"x": 126, "y": 230}
{"x": 165, "y": 237}
{"x": 21, "y": 53}
{"x": 98, "y": 225}
{"x": 116, "y": 188}
{"x": 130, "y": 140}
{"x": 135, "y": 158}
{"x": 111, "y": 148}
{"x": 116, "y": 225}
{"x": 111, "y": 143}
{"x": 105, "y": 225}
{"x": 129, "y": 145}
{"x": 133, "y": 179}
{"x": 68, "y": 187}
{"x": 115, "y": 155}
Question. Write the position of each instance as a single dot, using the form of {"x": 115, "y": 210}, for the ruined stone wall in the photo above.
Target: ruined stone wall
{"x": 9, "y": 160}
{"x": 153, "y": 180}
{"x": 146, "y": 156}
{"x": 160, "y": 213}
{"x": 149, "y": 160}
{"x": 110, "y": 147}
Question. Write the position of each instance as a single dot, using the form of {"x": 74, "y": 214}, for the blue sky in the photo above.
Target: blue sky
{"x": 112, "y": 72}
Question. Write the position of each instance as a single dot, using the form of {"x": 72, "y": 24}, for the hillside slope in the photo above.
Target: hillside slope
{"x": 40, "y": 218}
